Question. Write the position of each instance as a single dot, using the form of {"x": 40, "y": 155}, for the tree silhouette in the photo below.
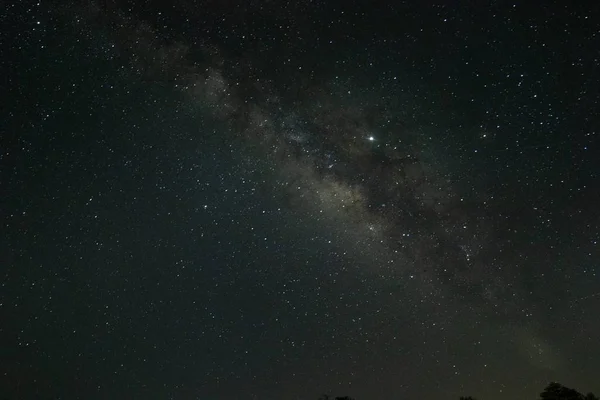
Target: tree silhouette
{"x": 556, "y": 391}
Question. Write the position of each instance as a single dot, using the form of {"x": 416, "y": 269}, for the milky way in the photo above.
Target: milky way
{"x": 355, "y": 161}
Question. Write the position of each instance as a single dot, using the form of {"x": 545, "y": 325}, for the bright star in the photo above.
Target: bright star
{"x": 371, "y": 139}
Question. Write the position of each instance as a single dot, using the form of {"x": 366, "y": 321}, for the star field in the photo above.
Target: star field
{"x": 226, "y": 200}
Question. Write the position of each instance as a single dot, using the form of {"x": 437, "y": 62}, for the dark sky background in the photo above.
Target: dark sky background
{"x": 276, "y": 200}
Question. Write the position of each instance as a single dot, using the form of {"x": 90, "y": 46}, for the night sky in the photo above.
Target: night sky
{"x": 276, "y": 200}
